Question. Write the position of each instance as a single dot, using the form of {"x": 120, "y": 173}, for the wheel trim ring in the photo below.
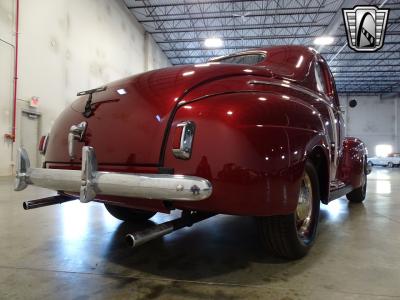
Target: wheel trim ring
{"x": 304, "y": 209}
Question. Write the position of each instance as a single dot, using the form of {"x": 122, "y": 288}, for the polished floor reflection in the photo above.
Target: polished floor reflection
{"x": 77, "y": 251}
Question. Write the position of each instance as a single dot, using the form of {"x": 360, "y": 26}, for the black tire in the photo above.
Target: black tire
{"x": 370, "y": 164}
{"x": 280, "y": 234}
{"x": 389, "y": 164}
{"x": 358, "y": 195}
{"x": 128, "y": 214}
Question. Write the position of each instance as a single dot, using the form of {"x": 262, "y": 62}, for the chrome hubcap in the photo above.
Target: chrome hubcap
{"x": 304, "y": 208}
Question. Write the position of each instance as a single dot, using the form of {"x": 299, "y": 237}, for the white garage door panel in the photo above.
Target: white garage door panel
{"x": 373, "y": 120}
{"x": 372, "y": 116}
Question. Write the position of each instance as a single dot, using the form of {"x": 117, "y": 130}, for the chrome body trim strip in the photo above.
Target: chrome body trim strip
{"x": 294, "y": 87}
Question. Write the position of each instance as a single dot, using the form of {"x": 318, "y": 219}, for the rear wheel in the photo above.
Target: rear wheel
{"x": 390, "y": 164}
{"x": 370, "y": 164}
{"x": 128, "y": 214}
{"x": 291, "y": 236}
{"x": 358, "y": 195}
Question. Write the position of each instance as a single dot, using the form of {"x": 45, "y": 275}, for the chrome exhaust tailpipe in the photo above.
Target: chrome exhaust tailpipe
{"x": 148, "y": 234}
{"x": 58, "y": 199}
{"x": 159, "y": 230}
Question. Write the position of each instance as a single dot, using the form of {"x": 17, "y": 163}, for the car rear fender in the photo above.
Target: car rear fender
{"x": 352, "y": 160}
{"x": 252, "y": 150}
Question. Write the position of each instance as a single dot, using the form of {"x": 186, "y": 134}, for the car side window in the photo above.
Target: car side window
{"x": 320, "y": 79}
{"x": 247, "y": 59}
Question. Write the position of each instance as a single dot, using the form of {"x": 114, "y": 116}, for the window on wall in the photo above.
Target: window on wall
{"x": 383, "y": 150}
{"x": 319, "y": 78}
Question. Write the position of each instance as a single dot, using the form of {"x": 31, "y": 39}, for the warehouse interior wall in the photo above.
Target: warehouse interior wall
{"x": 66, "y": 47}
{"x": 375, "y": 120}
{"x": 6, "y": 82}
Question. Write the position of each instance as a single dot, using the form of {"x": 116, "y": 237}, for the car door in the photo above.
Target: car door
{"x": 327, "y": 87}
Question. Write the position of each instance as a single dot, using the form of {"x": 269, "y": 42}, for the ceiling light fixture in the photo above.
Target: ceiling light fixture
{"x": 213, "y": 43}
{"x": 324, "y": 40}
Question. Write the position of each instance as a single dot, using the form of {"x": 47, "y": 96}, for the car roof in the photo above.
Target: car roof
{"x": 292, "y": 61}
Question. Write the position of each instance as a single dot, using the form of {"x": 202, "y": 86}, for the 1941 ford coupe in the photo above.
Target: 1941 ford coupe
{"x": 256, "y": 133}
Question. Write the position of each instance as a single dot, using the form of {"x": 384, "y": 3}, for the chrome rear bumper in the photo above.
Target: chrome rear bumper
{"x": 89, "y": 182}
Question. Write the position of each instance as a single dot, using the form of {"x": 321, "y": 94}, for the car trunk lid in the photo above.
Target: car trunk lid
{"x": 129, "y": 118}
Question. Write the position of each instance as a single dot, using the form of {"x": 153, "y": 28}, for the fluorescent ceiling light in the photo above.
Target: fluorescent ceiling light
{"x": 213, "y": 43}
{"x": 323, "y": 40}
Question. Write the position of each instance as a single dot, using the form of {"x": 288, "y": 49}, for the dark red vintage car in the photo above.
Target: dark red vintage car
{"x": 256, "y": 133}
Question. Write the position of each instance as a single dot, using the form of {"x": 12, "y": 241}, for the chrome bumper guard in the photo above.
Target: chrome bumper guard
{"x": 89, "y": 182}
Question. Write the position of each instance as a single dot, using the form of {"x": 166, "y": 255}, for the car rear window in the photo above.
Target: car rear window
{"x": 245, "y": 59}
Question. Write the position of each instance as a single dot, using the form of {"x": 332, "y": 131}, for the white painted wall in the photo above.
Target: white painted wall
{"x": 6, "y": 82}
{"x": 67, "y": 46}
{"x": 375, "y": 120}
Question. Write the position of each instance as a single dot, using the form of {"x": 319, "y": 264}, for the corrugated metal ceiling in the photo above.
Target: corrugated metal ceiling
{"x": 181, "y": 26}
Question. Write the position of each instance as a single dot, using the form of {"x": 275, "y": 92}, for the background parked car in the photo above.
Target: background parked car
{"x": 389, "y": 161}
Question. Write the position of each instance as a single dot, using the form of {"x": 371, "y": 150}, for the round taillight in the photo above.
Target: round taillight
{"x": 43, "y": 144}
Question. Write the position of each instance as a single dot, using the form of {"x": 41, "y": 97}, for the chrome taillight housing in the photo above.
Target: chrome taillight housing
{"x": 43, "y": 144}
{"x": 183, "y": 140}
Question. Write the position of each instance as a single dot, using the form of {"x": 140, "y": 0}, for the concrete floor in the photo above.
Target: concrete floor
{"x": 77, "y": 251}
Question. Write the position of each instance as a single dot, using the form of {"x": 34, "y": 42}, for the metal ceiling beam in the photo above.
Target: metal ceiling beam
{"x": 395, "y": 87}
{"x": 357, "y": 93}
{"x": 258, "y": 37}
{"x": 332, "y": 66}
{"x": 294, "y": 13}
{"x": 285, "y": 12}
{"x": 249, "y": 27}
{"x": 354, "y": 83}
{"x": 233, "y": 28}
{"x": 345, "y": 76}
{"x": 248, "y": 11}
{"x": 198, "y": 2}
{"x": 363, "y": 71}
{"x": 368, "y": 65}
{"x": 246, "y": 48}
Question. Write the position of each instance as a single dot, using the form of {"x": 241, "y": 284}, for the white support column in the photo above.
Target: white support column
{"x": 396, "y": 123}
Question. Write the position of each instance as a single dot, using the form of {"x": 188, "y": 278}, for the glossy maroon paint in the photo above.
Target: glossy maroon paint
{"x": 255, "y": 127}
